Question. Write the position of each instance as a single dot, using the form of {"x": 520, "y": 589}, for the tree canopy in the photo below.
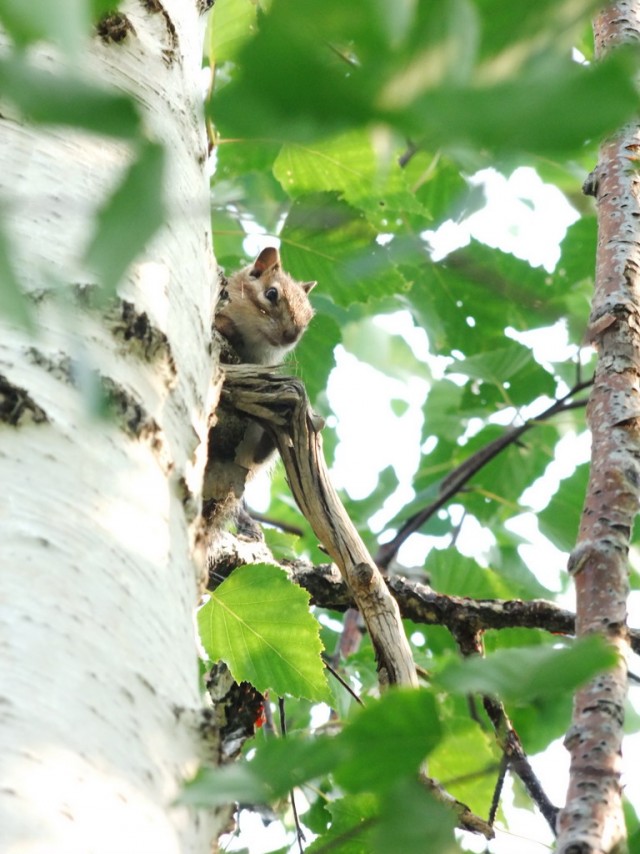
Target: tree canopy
{"x": 351, "y": 132}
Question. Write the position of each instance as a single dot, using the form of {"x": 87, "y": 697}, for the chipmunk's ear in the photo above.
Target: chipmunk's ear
{"x": 266, "y": 260}
{"x": 308, "y": 286}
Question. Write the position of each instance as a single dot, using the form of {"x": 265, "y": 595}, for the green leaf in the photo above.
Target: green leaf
{"x": 350, "y": 165}
{"x": 518, "y": 675}
{"x": 314, "y": 357}
{"x": 395, "y": 734}
{"x": 65, "y": 22}
{"x": 129, "y": 218}
{"x": 513, "y": 115}
{"x": 65, "y": 99}
{"x": 402, "y": 820}
{"x": 409, "y": 816}
{"x": 457, "y": 575}
{"x": 343, "y": 69}
{"x": 560, "y": 520}
{"x": 231, "y": 24}
{"x": 466, "y": 762}
{"x": 493, "y": 288}
{"x": 388, "y": 353}
{"x": 218, "y": 786}
{"x": 352, "y": 819}
{"x": 494, "y": 366}
{"x": 333, "y": 244}
{"x": 13, "y": 303}
{"x": 258, "y": 622}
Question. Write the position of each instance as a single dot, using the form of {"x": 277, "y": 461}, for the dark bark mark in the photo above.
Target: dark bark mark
{"x": 17, "y": 407}
{"x": 114, "y": 27}
{"x": 155, "y": 7}
{"x": 142, "y": 337}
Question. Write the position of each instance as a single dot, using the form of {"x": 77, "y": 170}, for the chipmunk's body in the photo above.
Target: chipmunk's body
{"x": 263, "y": 314}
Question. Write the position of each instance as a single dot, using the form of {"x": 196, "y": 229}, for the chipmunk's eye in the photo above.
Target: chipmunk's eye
{"x": 272, "y": 295}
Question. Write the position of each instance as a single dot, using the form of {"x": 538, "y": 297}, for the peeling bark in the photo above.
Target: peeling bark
{"x": 592, "y": 821}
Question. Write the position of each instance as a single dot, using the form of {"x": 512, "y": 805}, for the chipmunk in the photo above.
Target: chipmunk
{"x": 262, "y": 314}
{"x": 266, "y": 311}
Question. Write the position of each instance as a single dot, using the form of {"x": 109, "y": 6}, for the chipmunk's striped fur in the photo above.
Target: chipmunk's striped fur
{"x": 262, "y": 315}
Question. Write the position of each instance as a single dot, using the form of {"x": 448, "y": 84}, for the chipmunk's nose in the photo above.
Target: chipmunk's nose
{"x": 291, "y": 335}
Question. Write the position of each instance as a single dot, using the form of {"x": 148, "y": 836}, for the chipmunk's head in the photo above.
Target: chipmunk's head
{"x": 267, "y": 311}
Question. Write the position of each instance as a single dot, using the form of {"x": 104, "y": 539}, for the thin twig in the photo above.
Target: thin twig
{"x": 300, "y": 837}
{"x": 276, "y": 523}
{"x": 461, "y": 475}
{"x": 469, "y": 641}
{"x": 343, "y": 682}
{"x": 497, "y": 792}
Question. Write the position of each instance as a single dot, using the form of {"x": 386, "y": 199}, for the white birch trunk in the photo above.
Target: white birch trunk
{"x": 98, "y": 523}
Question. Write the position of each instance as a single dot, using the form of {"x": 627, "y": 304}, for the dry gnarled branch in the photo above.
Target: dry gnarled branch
{"x": 281, "y": 406}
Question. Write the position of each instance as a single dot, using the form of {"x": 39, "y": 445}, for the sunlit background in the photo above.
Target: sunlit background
{"x": 528, "y": 218}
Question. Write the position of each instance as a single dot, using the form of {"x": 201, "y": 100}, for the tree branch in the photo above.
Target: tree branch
{"x": 461, "y": 475}
{"x": 470, "y": 643}
{"x": 417, "y": 602}
{"x": 281, "y": 406}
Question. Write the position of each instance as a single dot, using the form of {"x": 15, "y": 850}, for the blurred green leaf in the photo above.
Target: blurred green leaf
{"x": 13, "y": 302}
{"x": 65, "y": 99}
{"x": 313, "y": 357}
{"x": 409, "y": 816}
{"x": 388, "y": 353}
{"x": 559, "y": 521}
{"x": 518, "y": 675}
{"x": 495, "y": 366}
{"x": 352, "y": 818}
{"x": 129, "y": 219}
{"x": 231, "y": 24}
{"x": 513, "y": 116}
{"x": 395, "y": 734}
{"x": 342, "y": 69}
{"x": 65, "y": 23}
{"x": 457, "y": 575}
{"x": 466, "y": 762}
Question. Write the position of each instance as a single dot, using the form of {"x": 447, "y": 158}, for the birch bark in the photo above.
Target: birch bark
{"x": 98, "y": 517}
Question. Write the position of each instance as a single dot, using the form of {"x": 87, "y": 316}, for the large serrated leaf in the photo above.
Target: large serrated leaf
{"x": 259, "y": 623}
{"x": 327, "y": 240}
{"x": 350, "y": 165}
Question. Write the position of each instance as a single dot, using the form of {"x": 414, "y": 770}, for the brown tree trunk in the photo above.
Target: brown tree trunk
{"x": 592, "y": 821}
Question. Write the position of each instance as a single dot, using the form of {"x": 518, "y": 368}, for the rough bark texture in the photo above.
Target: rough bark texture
{"x": 592, "y": 821}
{"x": 97, "y": 516}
